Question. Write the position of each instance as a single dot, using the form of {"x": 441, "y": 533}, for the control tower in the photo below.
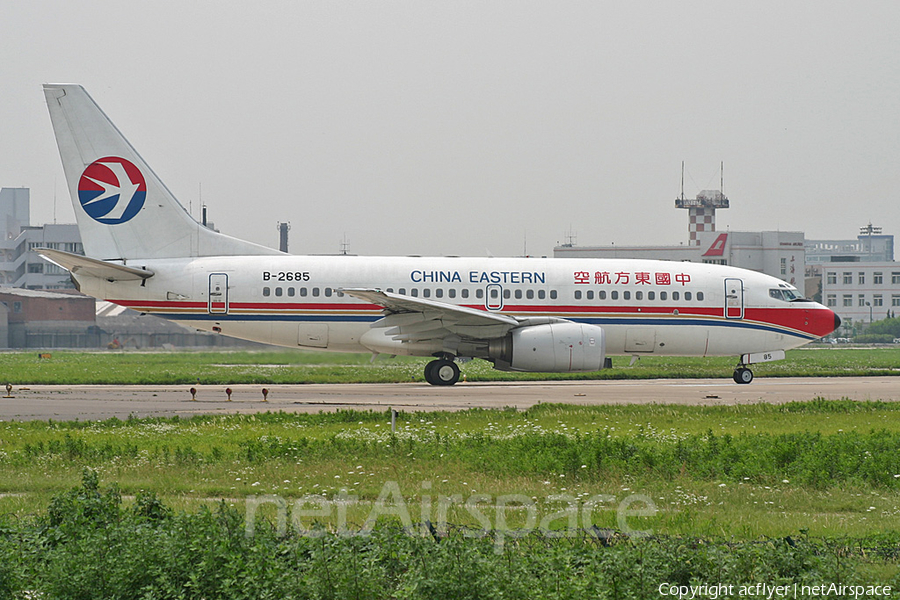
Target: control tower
{"x": 702, "y": 209}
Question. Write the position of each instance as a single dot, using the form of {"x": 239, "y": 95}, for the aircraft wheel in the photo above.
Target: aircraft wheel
{"x": 743, "y": 375}
{"x": 429, "y": 372}
{"x": 441, "y": 372}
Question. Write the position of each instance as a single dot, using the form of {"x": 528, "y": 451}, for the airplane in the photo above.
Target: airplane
{"x": 143, "y": 250}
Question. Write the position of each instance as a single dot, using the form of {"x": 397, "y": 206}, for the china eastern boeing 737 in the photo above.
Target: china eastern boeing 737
{"x": 144, "y": 251}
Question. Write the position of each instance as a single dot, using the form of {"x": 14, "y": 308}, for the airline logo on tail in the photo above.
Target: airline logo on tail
{"x": 718, "y": 246}
{"x": 112, "y": 190}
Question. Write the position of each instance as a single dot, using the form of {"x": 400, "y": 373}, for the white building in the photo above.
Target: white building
{"x": 867, "y": 247}
{"x": 861, "y": 292}
{"x": 777, "y": 253}
{"x": 20, "y": 266}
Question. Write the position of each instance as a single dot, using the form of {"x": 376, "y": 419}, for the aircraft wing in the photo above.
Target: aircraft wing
{"x": 77, "y": 265}
{"x": 416, "y": 319}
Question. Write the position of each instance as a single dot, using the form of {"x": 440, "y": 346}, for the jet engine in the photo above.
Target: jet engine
{"x": 550, "y": 348}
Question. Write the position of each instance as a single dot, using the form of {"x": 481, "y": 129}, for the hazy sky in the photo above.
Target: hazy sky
{"x": 469, "y": 127}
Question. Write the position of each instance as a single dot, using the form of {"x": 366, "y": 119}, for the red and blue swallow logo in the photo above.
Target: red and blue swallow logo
{"x": 112, "y": 190}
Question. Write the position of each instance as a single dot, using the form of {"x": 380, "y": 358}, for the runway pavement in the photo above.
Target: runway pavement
{"x": 89, "y": 402}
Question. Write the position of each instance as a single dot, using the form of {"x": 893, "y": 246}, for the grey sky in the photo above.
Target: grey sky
{"x": 462, "y": 127}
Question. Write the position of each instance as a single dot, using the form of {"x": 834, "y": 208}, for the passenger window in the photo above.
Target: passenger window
{"x": 529, "y": 294}
{"x": 291, "y": 292}
{"x": 541, "y": 294}
{"x": 590, "y": 295}
{"x": 479, "y": 293}
{"x": 439, "y": 293}
{"x": 651, "y": 295}
{"x": 426, "y": 293}
{"x": 303, "y": 292}
{"x": 553, "y": 294}
{"x": 614, "y": 295}
{"x": 414, "y": 292}
{"x": 663, "y": 296}
{"x": 464, "y": 293}
{"x": 578, "y": 294}
{"x": 687, "y": 296}
{"x": 278, "y": 291}
{"x": 675, "y": 296}
{"x": 315, "y": 292}
{"x": 639, "y": 295}
{"x": 402, "y": 291}
{"x": 267, "y": 291}
{"x": 601, "y": 294}
{"x": 699, "y": 296}
{"x": 518, "y": 294}
{"x": 451, "y": 293}
{"x": 328, "y": 292}
{"x": 507, "y": 294}
{"x": 626, "y": 295}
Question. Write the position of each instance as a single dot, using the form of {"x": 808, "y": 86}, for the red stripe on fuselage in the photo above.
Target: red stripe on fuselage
{"x": 818, "y": 322}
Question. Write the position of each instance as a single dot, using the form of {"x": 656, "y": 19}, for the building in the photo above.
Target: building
{"x": 20, "y": 266}
{"x": 42, "y": 319}
{"x": 861, "y": 292}
{"x": 869, "y": 246}
{"x": 777, "y": 253}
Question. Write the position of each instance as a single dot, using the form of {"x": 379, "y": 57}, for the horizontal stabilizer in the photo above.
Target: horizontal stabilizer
{"x": 82, "y": 265}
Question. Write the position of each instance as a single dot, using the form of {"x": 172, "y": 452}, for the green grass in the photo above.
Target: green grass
{"x": 826, "y": 467}
{"x": 92, "y": 545}
{"x": 292, "y": 367}
{"x": 725, "y": 486}
{"x": 722, "y": 479}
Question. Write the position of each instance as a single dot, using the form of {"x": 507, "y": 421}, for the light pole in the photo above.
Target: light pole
{"x": 869, "y": 304}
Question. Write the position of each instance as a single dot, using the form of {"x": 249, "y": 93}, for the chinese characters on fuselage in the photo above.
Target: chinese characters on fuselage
{"x": 630, "y": 278}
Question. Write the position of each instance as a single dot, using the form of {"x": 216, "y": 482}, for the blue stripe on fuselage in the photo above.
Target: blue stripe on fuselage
{"x": 600, "y": 321}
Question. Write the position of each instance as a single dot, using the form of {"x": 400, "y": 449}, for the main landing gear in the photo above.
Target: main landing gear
{"x": 742, "y": 374}
{"x": 442, "y": 371}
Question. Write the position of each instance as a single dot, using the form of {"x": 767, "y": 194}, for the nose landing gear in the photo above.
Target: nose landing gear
{"x": 743, "y": 375}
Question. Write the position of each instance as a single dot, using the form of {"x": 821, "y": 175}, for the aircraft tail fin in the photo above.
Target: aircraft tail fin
{"x": 124, "y": 211}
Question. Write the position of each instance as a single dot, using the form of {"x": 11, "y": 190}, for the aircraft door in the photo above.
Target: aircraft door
{"x": 218, "y": 293}
{"x": 734, "y": 298}
{"x": 493, "y": 297}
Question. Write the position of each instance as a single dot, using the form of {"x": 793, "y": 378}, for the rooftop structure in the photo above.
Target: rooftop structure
{"x": 702, "y": 209}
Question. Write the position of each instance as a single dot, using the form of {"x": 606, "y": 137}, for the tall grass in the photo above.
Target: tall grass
{"x": 830, "y": 467}
{"x": 89, "y": 544}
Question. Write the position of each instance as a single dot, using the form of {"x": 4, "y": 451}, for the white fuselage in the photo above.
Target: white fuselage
{"x": 645, "y": 307}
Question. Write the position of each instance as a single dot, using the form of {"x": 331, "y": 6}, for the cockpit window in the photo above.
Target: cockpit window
{"x": 787, "y": 295}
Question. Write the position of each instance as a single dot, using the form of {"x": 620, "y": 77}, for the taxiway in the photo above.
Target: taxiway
{"x": 94, "y": 402}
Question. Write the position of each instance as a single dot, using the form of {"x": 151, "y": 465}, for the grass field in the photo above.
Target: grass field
{"x": 824, "y": 472}
{"x": 117, "y": 367}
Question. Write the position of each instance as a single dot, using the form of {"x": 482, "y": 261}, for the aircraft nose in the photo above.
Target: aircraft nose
{"x": 837, "y": 322}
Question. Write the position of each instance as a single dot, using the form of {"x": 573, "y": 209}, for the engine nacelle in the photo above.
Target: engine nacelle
{"x": 551, "y": 348}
